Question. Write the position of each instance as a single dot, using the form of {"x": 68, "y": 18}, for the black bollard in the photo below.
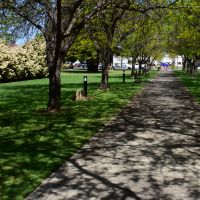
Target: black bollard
{"x": 124, "y": 75}
{"x": 85, "y": 85}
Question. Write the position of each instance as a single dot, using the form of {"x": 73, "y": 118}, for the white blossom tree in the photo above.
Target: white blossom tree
{"x": 22, "y": 62}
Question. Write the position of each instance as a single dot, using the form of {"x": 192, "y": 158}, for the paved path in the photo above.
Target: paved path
{"x": 151, "y": 150}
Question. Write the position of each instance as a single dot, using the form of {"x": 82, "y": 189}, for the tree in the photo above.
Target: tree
{"x": 60, "y": 22}
{"x": 181, "y": 27}
{"x": 102, "y": 30}
{"x": 83, "y": 49}
{"x": 144, "y": 45}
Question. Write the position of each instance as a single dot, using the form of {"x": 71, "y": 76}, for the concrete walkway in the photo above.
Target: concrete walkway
{"x": 151, "y": 150}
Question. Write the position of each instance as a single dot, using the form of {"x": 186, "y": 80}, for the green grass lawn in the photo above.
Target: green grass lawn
{"x": 34, "y": 143}
{"x": 191, "y": 82}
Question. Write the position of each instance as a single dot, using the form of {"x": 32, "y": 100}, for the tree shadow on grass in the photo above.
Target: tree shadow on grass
{"x": 33, "y": 144}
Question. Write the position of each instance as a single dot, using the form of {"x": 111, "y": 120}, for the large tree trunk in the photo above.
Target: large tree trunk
{"x": 54, "y": 62}
{"x": 55, "y": 58}
{"x": 56, "y": 49}
{"x": 54, "y": 88}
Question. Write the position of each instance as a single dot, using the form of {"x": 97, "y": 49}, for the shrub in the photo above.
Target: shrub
{"x": 21, "y": 63}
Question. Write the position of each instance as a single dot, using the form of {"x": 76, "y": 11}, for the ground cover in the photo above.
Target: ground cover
{"x": 34, "y": 143}
{"x": 191, "y": 82}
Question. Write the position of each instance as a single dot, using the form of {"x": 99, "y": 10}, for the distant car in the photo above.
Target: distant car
{"x": 80, "y": 65}
{"x": 76, "y": 63}
{"x": 83, "y": 66}
{"x": 126, "y": 66}
{"x": 100, "y": 66}
{"x": 116, "y": 66}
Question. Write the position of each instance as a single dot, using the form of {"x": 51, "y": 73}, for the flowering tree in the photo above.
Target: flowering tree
{"x": 20, "y": 63}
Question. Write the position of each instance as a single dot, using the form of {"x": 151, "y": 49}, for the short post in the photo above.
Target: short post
{"x": 124, "y": 75}
{"x": 85, "y": 85}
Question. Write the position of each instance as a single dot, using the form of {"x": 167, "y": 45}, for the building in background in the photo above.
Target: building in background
{"x": 166, "y": 59}
{"x": 178, "y": 62}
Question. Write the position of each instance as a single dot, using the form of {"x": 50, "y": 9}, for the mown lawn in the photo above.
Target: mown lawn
{"x": 191, "y": 82}
{"x": 34, "y": 143}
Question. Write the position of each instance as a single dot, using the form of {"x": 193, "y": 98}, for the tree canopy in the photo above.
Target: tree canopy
{"x": 62, "y": 21}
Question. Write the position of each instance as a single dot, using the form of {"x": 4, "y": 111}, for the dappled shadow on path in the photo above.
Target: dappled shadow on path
{"x": 149, "y": 151}
{"x": 34, "y": 143}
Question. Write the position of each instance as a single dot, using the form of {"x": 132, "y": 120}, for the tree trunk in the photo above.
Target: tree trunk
{"x": 54, "y": 89}
{"x": 133, "y": 65}
{"x": 55, "y": 52}
{"x": 187, "y": 61}
{"x": 184, "y": 64}
{"x": 92, "y": 66}
{"x": 193, "y": 68}
{"x": 111, "y": 61}
{"x": 106, "y": 61}
{"x": 190, "y": 70}
{"x": 104, "y": 78}
{"x": 140, "y": 67}
{"x": 54, "y": 61}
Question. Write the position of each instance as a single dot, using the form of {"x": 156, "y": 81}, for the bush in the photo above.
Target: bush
{"x": 21, "y": 63}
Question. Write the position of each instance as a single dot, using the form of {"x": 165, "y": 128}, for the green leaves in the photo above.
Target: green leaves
{"x": 83, "y": 49}
{"x": 183, "y": 25}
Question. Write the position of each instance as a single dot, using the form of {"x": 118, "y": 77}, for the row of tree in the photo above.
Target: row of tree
{"x": 134, "y": 26}
{"x": 182, "y": 34}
